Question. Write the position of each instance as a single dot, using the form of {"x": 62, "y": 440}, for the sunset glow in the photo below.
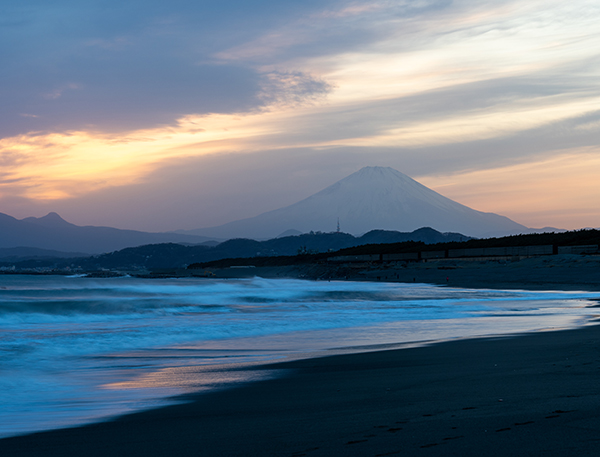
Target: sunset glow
{"x": 513, "y": 86}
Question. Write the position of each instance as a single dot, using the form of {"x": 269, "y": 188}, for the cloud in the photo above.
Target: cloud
{"x": 206, "y": 191}
{"x": 115, "y": 66}
{"x": 333, "y": 30}
{"x": 292, "y": 89}
{"x": 197, "y": 191}
{"x": 561, "y": 188}
{"x": 124, "y": 92}
{"x": 108, "y": 103}
{"x": 120, "y": 66}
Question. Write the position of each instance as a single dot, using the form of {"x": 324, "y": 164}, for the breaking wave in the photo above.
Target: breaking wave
{"x": 63, "y": 340}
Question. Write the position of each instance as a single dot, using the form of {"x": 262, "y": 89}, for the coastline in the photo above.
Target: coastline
{"x": 532, "y": 394}
{"x": 567, "y": 272}
{"x": 560, "y": 272}
{"x": 383, "y": 402}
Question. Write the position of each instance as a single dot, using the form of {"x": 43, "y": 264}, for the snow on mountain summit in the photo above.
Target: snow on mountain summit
{"x": 371, "y": 198}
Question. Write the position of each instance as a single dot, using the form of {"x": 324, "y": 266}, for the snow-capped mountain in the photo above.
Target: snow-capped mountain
{"x": 372, "y": 198}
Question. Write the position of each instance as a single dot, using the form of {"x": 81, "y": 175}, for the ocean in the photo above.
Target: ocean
{"x": 75, "y": 350}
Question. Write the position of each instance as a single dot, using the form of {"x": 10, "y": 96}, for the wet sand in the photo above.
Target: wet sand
{"x": 531, "y": 395}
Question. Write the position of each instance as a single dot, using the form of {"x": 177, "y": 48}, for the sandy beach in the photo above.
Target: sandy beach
{"x": 535, "y": 394}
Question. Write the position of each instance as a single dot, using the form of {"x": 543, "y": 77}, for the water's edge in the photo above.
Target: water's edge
{"x": 78, "y": 351}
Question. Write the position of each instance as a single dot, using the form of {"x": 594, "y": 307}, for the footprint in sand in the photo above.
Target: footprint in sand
{"x": 429, "y": 445}
{"x": 357, "y": 441}
{"x": 524, "y": 423}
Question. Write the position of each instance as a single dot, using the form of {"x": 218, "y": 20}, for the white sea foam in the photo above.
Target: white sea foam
{"x": 75, "y": 349}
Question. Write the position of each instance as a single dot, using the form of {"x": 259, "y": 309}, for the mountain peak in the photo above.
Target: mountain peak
{"x": 377, "y": 169}
{"x": 50, "y": 220}
{"x": 371, "y": 198}
{"x": 52, "y": 216}
{"x": 379, "y": 173}
{"x": 54, "y": 233}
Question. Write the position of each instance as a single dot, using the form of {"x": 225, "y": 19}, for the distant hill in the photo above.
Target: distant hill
{"x": 13, "y": 254}
{"x": 290, "y": 232}
{"x": 312, "y": 247}
{"x": 372, "y": 198}
{"x": 54, "y": 233}
{"x": 584, "y": 242}
{"x": 172, "y": 255}
{"x": 303, "y": 249}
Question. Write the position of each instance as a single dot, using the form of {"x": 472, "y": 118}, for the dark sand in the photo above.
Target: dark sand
{"x": 531, "y": 395}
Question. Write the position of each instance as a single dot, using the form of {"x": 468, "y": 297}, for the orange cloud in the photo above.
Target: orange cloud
{"x": 564, "y": 190}
{"x": 439, "y": 53}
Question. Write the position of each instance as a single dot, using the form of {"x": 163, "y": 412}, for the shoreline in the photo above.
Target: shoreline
{"x": 561, "y": 272}
{"x": 529, "y": 394}
{"x": 567, "y": 272}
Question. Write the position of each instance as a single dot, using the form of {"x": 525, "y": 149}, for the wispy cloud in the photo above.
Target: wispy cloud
{"x": 432, "y": 86}
{"x": 562, "y": 189}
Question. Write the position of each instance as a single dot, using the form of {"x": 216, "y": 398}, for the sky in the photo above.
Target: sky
{"x": 157, "y": 116}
